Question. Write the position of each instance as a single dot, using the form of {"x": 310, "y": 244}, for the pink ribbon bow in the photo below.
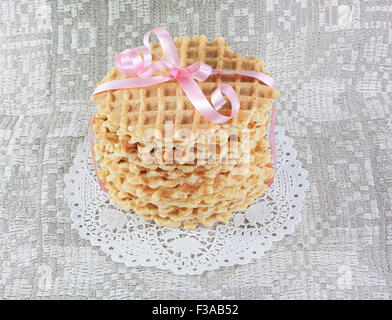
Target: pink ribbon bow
{"x": 141, "y": 71}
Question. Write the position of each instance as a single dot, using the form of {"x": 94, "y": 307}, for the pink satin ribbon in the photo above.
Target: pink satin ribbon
{"x": 141, "y": 70}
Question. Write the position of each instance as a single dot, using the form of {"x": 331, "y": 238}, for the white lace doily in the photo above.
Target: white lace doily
{"x": 134, "y": 242}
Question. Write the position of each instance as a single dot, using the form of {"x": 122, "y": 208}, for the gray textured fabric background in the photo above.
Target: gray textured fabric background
{"x": 332, "y": 60}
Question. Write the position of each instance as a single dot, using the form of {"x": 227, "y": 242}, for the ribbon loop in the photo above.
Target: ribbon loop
{"x": 167, "y": 44}
{"x": 219, "y": 101}
{"x": 130, "y": 62}
{"x": 199, "y": 71}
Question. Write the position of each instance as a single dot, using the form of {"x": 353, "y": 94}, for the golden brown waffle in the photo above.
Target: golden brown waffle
{"x": 108, "y": 132}
{"x": 124, "y": 170}
{"x": 224, "y": 186}
{"x": 140, "y": 109}
{"x": 161, "y": 190}
{"x": 231, "y": 153}
{"x": 188, "y": 190}
{"x": 119, "y": 172}
{"x": 187, "y": 195}
{"x": 189, "y": 217}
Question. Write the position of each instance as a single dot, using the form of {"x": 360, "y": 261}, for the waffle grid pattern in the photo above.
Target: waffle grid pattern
{"x": 137, "y": 110}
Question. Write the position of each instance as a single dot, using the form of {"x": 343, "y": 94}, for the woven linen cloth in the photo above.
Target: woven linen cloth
{"x": 332, "y": 61}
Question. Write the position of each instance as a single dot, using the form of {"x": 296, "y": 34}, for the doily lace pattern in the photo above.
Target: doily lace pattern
{"x": 134, "y": 242}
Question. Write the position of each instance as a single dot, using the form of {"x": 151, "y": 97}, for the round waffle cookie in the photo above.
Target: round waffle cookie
{"x": 124, "y": 169}
{"x": 188, "y": 216}
{"x": 184, "y": 158}
{"x": 205, "y": 211}
{"x": 160, "y": 157}
{"x": 161, "y": 189}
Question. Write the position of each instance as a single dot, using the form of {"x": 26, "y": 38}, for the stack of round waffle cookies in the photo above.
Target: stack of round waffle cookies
{"x": 160, "y": 157}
